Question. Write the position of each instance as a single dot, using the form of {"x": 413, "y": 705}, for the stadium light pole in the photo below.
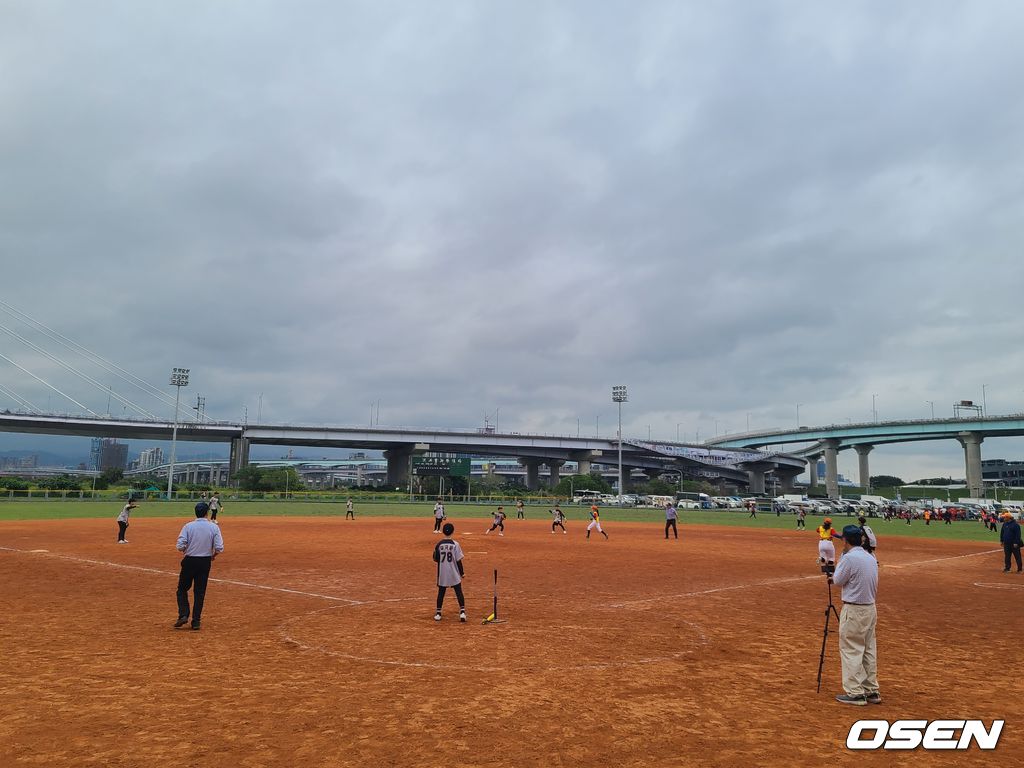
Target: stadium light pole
{"x": 932, "y": 404}
{"x": 798, "y": 415}
{"x": 619, "y": 396}
{"x": 179, "y": 379}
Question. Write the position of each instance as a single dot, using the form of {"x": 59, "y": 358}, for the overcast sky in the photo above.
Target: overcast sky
{"x": 459, "y": 207}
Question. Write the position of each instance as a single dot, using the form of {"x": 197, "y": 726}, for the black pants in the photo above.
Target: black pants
{"x": 350, "y": 515}
{"x": 458, "y": 595}
{"x": 194, "y": 570}
{"x": 520, "y": 515}
{"x": 1008, "y": 551}
{"x": 121, "y": 528}
{"x": 671, "y": 523}
{"x": 558, "y": 524}
{"x": 437, "y": 523}
{"x": 213, "y": 514}
{"x": 800, "y": 523}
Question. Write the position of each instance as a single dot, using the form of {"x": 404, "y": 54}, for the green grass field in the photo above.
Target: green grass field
{"x": 50, "y": 510}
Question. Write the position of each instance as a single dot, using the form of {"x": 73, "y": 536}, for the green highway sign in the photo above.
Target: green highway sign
{"x": 440, "y": 466}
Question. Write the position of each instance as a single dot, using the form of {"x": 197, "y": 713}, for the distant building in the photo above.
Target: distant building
{"x": 111, "y": 455}
{"x": 840, "y": 477}
{"x": 150, "y": 457}
{"x": 19, "y": 462}
{"x": 1004, "y": 472}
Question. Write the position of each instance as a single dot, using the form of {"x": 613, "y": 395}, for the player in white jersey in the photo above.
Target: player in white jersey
{"x": 559, "y": 519}
{"x": 350, "y": 512}
{"x": 122, "y": 521}
{"x": 439, "y": 516}
{"x": 215, "y": 506}
{"x": 448, "y": 556}
{"x": 499, "y": 521}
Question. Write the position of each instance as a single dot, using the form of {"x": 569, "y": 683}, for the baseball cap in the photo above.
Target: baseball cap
{"x": 828, "y": 519}
{"x": 593, "y": 506}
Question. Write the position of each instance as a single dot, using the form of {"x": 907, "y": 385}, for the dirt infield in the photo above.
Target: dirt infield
{"x": 318, "y": 648}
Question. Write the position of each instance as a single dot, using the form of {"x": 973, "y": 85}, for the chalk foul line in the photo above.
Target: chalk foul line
{"x": 143, "y": 569}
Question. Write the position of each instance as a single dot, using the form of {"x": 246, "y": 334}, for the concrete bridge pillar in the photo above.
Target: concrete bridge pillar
{"x": 583, "y": 459}
{"x": 399, "y": 460}
{"x": 532, "y": 473}
{"x": 554, "y": 465}
{"x": 627, "y": 479}
{"x": 812, "y": 468}
{"x": 971, "y": 441}
{"x": 756, "y": 474}
{"x": 831, "y": 467}
{"x": 862, "y": 463}
{"x": 787, "y": 476}
{"x": 239, "y": 458}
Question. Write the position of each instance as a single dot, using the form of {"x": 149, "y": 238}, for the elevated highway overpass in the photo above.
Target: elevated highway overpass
{"x": 744, "y": 466}
{"x": 828, "y": 440}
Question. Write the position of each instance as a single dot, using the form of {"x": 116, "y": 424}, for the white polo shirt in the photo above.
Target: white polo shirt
{"x": 857, "y": 574}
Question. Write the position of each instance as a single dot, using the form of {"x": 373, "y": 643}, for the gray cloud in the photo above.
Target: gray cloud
{"x": 455, "y": 208}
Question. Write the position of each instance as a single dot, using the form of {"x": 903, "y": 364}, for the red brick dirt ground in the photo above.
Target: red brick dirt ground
{"x": 318, "y": 648}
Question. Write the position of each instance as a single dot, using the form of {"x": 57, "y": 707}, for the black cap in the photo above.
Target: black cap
{"x": 853, "y": 535}
{"x": 448, "y": 529}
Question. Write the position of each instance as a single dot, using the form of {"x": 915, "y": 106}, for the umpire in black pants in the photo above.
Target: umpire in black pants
{"x": 1009, "y": 536}
{"x": 201, "y": 542}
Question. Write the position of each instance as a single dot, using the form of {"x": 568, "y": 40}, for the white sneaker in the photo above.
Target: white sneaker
{"x": 501, "y": 534}
{"x": 564, "y": 532}
{"x": 437, "y": 617}
{"x": 462, "y": 616}
{"x": 123, "y": 541}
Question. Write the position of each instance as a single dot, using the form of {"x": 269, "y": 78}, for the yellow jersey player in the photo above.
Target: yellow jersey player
{"x": 595, "y": 521}
{"x": 826, "y": 549}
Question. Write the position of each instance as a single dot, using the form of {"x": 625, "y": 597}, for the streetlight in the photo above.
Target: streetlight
{"x": 984, "y": 404}
{"x": 798, "y": 415}
{"x": 677, "y": 430}
{"x": 179, "y": 379}
{"x": 619, "y": 396}
{"x": 932, "y": 404}
{"x": 874, "y": 411}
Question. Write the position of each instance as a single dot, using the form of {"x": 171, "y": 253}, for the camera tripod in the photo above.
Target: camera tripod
{"x": 830, "y": 611}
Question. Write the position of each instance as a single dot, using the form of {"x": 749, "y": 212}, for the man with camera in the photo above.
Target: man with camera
{"x": 857, "y": 574}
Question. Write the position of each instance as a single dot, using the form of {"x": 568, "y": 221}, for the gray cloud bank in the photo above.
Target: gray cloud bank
{"x": 459, "y": 207}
